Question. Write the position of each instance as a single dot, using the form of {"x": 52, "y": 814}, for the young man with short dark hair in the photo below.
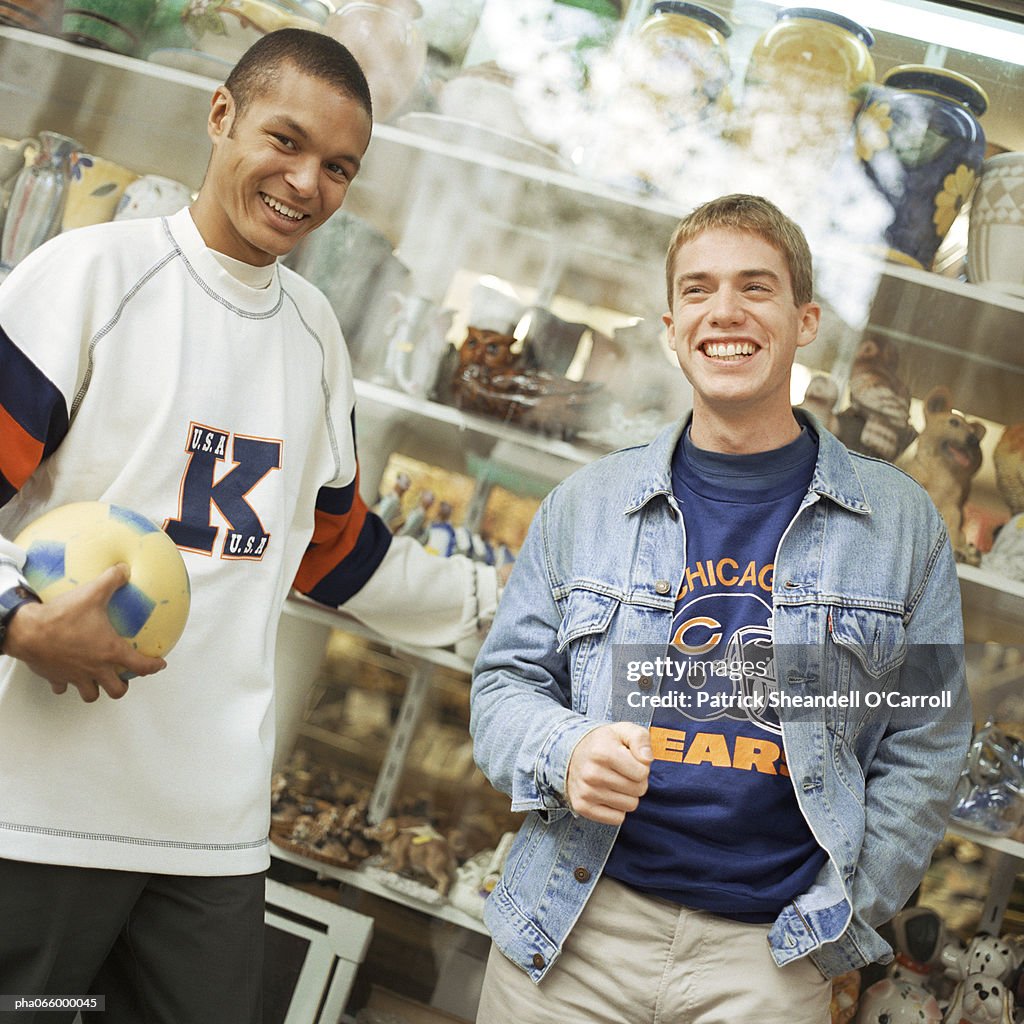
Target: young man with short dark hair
{"x": 172, "y": 366}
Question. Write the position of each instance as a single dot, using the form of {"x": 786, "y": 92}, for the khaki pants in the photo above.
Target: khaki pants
{"x": 632, "y": 959}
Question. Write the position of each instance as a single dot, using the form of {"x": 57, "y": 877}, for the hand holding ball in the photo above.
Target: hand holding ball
{"x": 75, "y": 544}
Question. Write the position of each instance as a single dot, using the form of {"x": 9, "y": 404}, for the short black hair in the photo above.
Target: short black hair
{"x": 313, "y": 53}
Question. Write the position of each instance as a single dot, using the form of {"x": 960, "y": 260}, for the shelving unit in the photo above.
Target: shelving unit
{"x": 365, "y": 882}
{"x": 611, "y": 245}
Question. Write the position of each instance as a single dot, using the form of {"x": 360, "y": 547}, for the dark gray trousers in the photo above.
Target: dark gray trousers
{"x": 161, "y": 949}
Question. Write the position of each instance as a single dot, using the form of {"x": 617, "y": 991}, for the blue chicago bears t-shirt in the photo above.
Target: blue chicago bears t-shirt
{"x": 719, "y": 828}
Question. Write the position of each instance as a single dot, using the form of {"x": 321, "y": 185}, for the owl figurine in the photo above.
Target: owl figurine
{"x": 491, "y": 378}
{"x": 877, "y": 420}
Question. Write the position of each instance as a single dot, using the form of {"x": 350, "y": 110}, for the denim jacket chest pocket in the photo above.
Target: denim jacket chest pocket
{"x": 583, "y": 635}
{"x": 868, "y": 649}
{"x": 875, "y": 638}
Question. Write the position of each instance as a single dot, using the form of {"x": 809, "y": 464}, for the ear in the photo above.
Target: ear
{"x": 938, "y": 400}
{"x": 670, "y": 330}
{"x": 977, "y": 429}
{"x": 810, "y": 318}
{"x": 222, "y": 114}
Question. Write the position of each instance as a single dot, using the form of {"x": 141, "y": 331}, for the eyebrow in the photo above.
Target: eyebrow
{"x": 700, "y": 275}
{"x": 284, "y": 121}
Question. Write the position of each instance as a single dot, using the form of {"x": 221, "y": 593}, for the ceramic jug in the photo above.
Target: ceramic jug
{"x": 36, "y": 207}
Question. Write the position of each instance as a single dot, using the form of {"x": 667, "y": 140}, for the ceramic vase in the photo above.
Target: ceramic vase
{"x": 15, "y": 155}
{"x": 922, "y": 146}
{"x": 995, "y": 237}
{"x": 384, "y": 37}
{"x": 117, "y": 25}
{"x": 799, "y": 90}
{"x": 38, "y": 198}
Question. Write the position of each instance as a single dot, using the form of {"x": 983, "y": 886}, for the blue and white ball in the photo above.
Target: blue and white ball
{"x": 74, "y": 544}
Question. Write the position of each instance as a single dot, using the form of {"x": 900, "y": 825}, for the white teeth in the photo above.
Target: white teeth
{"x": 281, "y": 208}
{"x": 728, "y": 349}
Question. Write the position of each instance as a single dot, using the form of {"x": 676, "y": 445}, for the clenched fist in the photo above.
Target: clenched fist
{"x": 608, "y": 772}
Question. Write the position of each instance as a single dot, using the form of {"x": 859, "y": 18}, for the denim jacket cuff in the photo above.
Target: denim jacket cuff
{"x": 553, "y": 760}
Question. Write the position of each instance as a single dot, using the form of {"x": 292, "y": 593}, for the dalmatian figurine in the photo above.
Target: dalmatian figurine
{"x": 903, "y": 996}
{"x": 980, "y": 999}
{"x": 984, "y": 969}
{"x": 898, "y": 1002}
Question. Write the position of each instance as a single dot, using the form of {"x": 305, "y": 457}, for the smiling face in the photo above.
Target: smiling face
{"x": 735, "y": 329}
{"x": 280, "y": 168}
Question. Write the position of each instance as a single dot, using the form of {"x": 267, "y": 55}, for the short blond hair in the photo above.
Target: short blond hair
{"x": 757, "y": 215}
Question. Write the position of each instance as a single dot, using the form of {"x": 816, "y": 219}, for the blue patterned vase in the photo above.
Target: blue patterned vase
{"x": 919, "y": 140}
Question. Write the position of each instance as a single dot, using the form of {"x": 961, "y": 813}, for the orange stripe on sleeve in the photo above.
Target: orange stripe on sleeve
{"x": 20, "y": 452}
{"x": 334, "y": 538}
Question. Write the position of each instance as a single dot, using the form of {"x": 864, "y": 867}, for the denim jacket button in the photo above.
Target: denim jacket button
{"x": 662, "y": 586}
{"x": 581, "y": 875}
{"x": 538, "y": 960}
{"x": 644, "y": 683}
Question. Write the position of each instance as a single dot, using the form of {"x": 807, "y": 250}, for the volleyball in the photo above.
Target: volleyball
{"x": 74, "y": 544}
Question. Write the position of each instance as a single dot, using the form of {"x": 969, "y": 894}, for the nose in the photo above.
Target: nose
{"x": 304, "y": 177}
{"x": 726, "y": 308}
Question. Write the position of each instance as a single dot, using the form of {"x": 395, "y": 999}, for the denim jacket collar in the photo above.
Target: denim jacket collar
{"x": 835, "y": 474}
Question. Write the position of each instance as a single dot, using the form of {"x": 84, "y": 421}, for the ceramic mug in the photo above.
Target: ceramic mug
{"x": 152, "y": 196}
{"x": 94, "y": 190}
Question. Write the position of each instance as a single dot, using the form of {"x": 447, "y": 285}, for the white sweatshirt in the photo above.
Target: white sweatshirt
{"x": 135, "y": 369}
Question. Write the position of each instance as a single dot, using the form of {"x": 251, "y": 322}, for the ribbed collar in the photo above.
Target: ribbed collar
{"x": 211, "y": 275}
{"x": 835, "y": 475}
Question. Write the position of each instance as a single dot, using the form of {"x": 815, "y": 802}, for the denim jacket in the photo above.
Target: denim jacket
{"x": 863, "y": 574}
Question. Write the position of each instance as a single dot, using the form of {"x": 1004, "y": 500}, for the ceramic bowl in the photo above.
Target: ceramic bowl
{"x": 95, "y": 188}
{"x": 152, "y": 196}
{"x": 483, "y": 99}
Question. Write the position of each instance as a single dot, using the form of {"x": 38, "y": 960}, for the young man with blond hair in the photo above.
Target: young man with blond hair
{"x": 717, "y": 821}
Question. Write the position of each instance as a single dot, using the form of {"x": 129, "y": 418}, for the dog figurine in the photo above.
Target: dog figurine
{"x": 417, "y": 850}
{"x": 984, "y": 968}
{"x": 947, "y": 456}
